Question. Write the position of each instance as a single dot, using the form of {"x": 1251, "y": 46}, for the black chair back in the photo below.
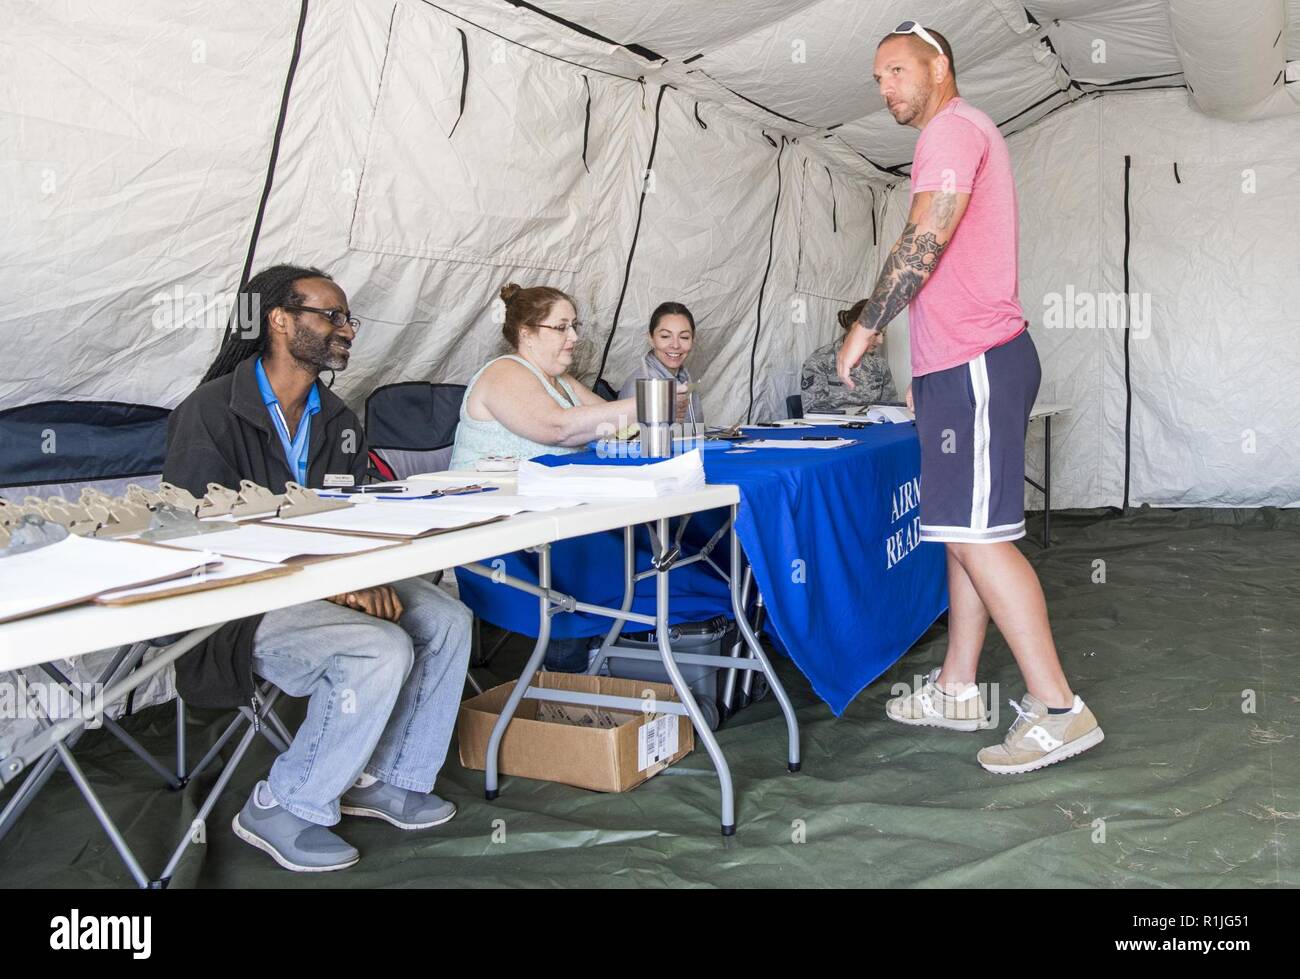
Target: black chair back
{"x": 411, "y": 427}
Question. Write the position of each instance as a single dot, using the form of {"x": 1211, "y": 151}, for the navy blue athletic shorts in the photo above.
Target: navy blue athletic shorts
{"x": 971, "y": 420}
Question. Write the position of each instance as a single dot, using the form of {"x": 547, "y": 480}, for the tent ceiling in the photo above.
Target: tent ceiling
{"x": 807, "y": 62}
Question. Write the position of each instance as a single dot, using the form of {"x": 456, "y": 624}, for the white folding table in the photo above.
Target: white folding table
{"x": 657, "y": 513}
{"x": 1046, "y": 411}
{"x": 41, "y": 640}
{"x": 72, "y": 632}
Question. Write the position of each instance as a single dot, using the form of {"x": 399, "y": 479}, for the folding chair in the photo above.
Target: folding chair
{"x": 262, "y": 721}
{"x": 124, "y": 660}
{"x": 411, "y": 427}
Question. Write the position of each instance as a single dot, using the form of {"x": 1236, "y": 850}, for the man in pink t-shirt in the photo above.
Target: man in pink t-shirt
{"x": 975, "y": 377}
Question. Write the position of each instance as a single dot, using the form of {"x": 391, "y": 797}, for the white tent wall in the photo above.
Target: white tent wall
{"x": 1212, "y": 254}
{"x": 391, "y": 212}
{"x": 421, "y": 229}
{"x": 135, "y": 148}
{"x": 372, "y": 188}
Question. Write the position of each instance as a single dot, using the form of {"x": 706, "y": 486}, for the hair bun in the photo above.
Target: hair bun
{"x": 509, "y": 291}
{"x": 843, "y": 317}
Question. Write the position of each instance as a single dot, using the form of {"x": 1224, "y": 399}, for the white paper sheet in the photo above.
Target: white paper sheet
{"x": 794, "y": 444}
{"x": 681, "y": 473}
{"x": 888, "y": 413}
{"x": 77, "y": 569}
{"x": 261, "y": 542}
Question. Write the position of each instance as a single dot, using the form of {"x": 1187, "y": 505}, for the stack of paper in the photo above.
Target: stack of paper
{"x": 683, "y": 473}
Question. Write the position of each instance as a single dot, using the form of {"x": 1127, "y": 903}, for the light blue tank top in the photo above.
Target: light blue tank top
{"x": 476, "y": 439}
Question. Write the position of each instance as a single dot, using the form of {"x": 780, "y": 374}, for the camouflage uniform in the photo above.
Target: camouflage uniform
{"x": 824, "y": 391}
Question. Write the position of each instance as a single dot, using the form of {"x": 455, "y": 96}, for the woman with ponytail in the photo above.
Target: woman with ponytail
{"x": 527, "y": 404}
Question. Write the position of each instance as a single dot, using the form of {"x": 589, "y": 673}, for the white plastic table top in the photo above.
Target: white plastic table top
{"x": 86, "y": 628}
{"x": 1047, "y": 409}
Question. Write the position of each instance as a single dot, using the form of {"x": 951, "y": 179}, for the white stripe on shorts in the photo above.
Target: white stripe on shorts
{"x": 982, "y": 477}
{"x": 966, "y": 535}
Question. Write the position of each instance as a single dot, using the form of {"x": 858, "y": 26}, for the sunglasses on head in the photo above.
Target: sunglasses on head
{"x": 912, "y": 27}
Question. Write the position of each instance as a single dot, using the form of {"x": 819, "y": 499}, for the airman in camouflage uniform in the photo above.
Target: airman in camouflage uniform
{"x": 824, "y": 391}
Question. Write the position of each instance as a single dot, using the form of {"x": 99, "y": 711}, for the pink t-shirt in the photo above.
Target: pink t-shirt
{"x": 972, "y": 302}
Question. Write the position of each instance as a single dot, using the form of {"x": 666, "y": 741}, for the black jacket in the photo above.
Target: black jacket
{"x": 222, "y": 433}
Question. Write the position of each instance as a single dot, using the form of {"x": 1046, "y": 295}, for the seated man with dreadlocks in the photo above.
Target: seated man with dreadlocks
{"x": 384, "y": 667}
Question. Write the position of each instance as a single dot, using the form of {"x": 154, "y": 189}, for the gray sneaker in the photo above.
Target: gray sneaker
{"x": 293, "y": 842}
{"x": 401, "y": 807}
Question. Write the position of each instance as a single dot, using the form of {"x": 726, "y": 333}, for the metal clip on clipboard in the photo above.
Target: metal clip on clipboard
{"x": 299, "y": 501}
{"x": 169, "y": 522}
{"x": 24, "y": 532}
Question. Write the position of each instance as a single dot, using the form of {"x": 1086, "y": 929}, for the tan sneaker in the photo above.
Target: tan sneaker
{"x": 1037, "y": 739}
{"x": 929, "y": 706}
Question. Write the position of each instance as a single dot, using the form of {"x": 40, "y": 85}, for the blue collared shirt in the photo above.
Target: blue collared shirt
{"x": 295, "y": 449}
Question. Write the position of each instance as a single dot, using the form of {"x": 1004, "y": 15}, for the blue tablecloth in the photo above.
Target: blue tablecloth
{"x": 834, "y": 539}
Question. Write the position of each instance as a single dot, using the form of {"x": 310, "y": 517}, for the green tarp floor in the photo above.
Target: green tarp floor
{"x": 1188, "y": 651}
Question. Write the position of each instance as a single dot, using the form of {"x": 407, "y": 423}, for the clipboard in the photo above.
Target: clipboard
{"x": 191, "y": 585}
{"x": 80, "y": 597}
{"x": 394, "y": 536}
{"x": 296, "y": 559}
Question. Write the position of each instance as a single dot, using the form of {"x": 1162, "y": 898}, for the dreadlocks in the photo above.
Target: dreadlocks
{"x": 269, "y": 289}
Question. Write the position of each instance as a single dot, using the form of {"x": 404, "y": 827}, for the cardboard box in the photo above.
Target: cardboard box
{"x": 574, "y": 744}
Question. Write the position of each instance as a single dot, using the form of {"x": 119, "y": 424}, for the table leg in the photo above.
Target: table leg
{"x": 684, "y": 691}
{"x": 1047, "y": 482}
{"x": 756, "y": 648}
{"x": 181, "y": 774}
{"x": 490, "y": 788}
{"x": 729, "y": 684}
{"x": 629, "y": 593}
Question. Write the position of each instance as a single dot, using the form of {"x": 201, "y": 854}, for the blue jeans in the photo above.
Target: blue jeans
{"x": 567, "y": 655}
{"x": 384, "y": 695}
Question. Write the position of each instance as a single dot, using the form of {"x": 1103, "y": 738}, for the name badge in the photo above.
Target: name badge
{"x": 339, "y": 479}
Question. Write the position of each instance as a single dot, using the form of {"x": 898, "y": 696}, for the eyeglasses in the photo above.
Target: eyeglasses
{"x": 912, "y": 27}
{"x": 338, "y": 319}
{"x": 576, "y": 326}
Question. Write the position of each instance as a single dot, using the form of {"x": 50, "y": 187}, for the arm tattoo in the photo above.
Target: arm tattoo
{"x": 942, "y": 207}
{"x": 911, "y": 262}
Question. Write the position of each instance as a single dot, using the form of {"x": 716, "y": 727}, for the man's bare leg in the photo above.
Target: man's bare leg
{"x": 968, "y": 620}
{"x": 1010, "y": 591}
